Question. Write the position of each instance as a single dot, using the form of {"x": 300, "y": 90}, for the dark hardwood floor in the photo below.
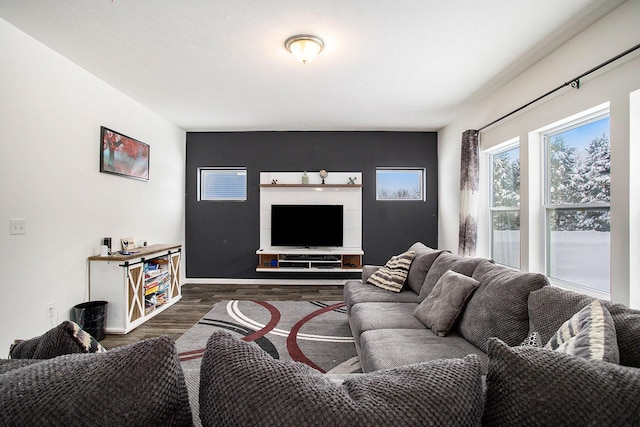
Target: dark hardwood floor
{"x": 198, "y": 299}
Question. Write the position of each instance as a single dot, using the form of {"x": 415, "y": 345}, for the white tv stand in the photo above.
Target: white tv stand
{"x": 317, "y": 260}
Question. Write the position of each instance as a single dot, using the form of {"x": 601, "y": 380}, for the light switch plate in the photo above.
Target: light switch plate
{"x": 18, "y": 226}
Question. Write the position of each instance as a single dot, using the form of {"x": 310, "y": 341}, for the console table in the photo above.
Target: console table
{"x": 137, "y": 286}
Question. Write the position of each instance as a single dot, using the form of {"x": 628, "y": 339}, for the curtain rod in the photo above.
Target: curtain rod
{"x": 574, "y": 83}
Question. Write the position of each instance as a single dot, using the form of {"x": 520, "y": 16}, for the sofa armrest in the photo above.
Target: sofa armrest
{"x": 368, "y": 270}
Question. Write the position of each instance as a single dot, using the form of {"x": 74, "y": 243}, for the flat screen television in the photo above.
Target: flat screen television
{"x": 306, "y": 225}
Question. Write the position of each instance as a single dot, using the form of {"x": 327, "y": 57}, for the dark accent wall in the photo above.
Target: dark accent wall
{"x": 221, "y": 238}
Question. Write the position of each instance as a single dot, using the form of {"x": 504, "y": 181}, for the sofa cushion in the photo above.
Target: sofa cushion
{"x": 422, "y": 261}
{"x": 442, "y": 264}
{"x": 368, "y": 270}
{"x": 551, "y": 306}
{"x": 440, "y": 310}
{"x": 241, "y": 385}
{"x": 66, "y": 338}
{"x": 627, "y": 324}
{"x": 589, "y": 334}
{"x": 499, "y": 307}
{"x": 388, "y": 348}
{"x": 356, "y": 292}
{"x": 393, "y": 275}
{"x": 383, "y": 315}
{"x": 7, "y": 365}
{"x": 135, "y": 385}
{"x": 543, "y": 387}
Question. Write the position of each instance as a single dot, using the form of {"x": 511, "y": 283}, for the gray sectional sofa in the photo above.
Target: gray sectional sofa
{"x": 540, "y": 359}
{"x": 507, "y": 304}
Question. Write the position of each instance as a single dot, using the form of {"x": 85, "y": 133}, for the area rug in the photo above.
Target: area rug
{"x": 312, "y": 332}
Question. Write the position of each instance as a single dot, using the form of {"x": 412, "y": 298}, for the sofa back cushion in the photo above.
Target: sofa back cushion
{"x": 499, "y": 307}
{"x": 241, "y": 385}
{"x": 535, "y": 386}
{"x": 445, "y": 262}
{"x": 141, "y": 384}
{"x": 551, "y": 306}
{"x": 422, "y": 261}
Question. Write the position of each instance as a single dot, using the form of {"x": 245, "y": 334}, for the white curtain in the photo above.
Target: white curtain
{"x": 469, "y": 182}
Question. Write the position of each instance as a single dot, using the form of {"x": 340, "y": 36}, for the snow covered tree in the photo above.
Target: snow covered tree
{"x": 506, "y": 180}
{"x": 595, "y": 184}
{"x": 506, "y": 191}
{"x": 562, "y": 181}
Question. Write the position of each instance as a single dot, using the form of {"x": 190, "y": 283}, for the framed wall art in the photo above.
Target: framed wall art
{"x": 122, "y": 155}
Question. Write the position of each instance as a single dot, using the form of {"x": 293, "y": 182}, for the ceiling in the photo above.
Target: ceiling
{"x": 221, "y": 65}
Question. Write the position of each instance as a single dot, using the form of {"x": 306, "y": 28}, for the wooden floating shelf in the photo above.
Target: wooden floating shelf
{"x": 313, "y": 185}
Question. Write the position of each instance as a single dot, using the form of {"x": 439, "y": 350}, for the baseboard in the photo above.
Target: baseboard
{"x": 298, "y": 282}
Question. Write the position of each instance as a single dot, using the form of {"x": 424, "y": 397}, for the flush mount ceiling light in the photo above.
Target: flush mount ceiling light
{"x": 304, "y": 47}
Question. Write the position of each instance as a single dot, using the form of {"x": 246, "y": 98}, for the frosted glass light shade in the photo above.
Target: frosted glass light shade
{"x": 304, "y": 48}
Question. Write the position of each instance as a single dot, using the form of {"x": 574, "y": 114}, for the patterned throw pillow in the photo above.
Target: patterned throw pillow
{"x": 589, "y": 334}
{"x": 533, "y": 340}
{"x": 87, "y": 343}
{"x": 66, "y": 338}
{"x": 440, "y": 310}
{"x": 393, "y": 275}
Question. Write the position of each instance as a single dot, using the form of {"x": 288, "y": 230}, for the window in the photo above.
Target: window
{"x": 222, "y": 184}
{"x": 400, "y": 184}
{"x": 504, "y": 206}
{"x": 577, "y": 202}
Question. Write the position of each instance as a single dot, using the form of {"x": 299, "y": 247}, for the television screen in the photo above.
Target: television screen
{"x": 306, "y": 225}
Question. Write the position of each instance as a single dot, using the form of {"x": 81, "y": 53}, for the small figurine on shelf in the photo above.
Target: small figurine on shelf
{"x": 274, "y": 181}
{"x": 352, "y": 181}
{"x": 305, "y": 178}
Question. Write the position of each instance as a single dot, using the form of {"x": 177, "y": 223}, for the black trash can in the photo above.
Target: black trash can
{"x": 92, "y": 318}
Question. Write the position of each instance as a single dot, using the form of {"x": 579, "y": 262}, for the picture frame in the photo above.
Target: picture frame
{"x": 127, "y": 244}
{"x": 123, "y": 155}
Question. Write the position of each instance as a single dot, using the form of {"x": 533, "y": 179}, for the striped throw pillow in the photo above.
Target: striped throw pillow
{"x": 590, "y": 334}
{"x": 393, "y": 275}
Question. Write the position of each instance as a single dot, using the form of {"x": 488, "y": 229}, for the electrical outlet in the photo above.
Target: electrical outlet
{"x": 18, "y": 226}
{"x": 51, "y": 309}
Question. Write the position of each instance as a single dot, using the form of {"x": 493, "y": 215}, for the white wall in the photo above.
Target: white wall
{"x": 608, "y": 37}
{"x": 50, "y": 116}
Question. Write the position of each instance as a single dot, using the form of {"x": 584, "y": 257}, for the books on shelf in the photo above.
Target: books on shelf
{"x": 157, "y": 283}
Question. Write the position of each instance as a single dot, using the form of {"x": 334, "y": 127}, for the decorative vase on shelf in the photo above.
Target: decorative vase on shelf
{"x": 305, "y": 178}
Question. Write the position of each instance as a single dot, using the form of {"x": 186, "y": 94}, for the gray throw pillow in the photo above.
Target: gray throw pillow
{"x": 445, "y": 262}
{"x": 66, "y": 338}
{"x": 589, "y": 334}
{"x": 440, "y": 310}
{"x": 551, "y": 306}
{"x": 393, "y": 275}
{"x": 535, "y": 386}
{"x": 241, "y": 385}
{"x": 141, "y": 384}
{"x": 499, "y": 307}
